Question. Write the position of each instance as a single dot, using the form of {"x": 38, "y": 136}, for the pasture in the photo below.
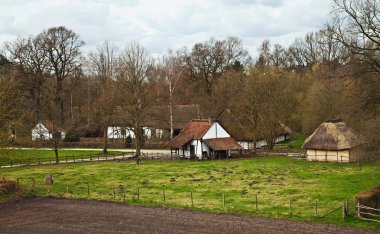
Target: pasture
{"x": 284, "y": 187}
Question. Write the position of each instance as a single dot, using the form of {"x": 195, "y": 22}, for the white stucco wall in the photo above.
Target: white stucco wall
{"x": 199, "y": 146}
{"x": 260, "y": 143}
{"x": 328, "y": 155}
{"x": 216, "y": 131}
{"x": 115, "y": 132}
{"x": 42, "y": 133}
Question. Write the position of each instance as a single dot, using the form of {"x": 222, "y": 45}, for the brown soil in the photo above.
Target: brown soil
{"x": 53, "y": 215}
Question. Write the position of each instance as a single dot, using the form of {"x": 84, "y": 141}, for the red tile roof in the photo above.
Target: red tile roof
{"x": 226, "y": 143}
{"x": 51, "y": 127}
{"x": 194, "y": 130}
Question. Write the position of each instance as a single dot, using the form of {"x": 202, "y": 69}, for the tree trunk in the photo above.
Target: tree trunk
{"x": 59, "y": 102}
{"x": 171, "y": 110}
{"x": 105, "y": 141}
{"x": 138, "y": 141}
{"x": 56, "y": 151}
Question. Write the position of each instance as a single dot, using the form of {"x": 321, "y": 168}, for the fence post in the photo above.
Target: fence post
{"x": 90, "y": 157}
{"x": 191, "y": 197}
{"x": 88, "y": 189}
{"x": 73, "y": 158}
{"x": 163, "y": 194}
{"x": 315, "y": 208}
{"x": 358, "y": 206}
{"x": 124, "y": 194}
{"x": 138, "y": 193}
{"x": 256, "y": 202}
{"x": 344, "y": 210}
{"x": 67, "y": 188}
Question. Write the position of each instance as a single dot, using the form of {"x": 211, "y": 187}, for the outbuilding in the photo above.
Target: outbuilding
{"x": 332, "y": 141}
{"x": 44, "y": 130}
{"x": 202, "y": 139}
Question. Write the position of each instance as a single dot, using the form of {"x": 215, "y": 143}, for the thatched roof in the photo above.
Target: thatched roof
{"x": 332, "y": 135}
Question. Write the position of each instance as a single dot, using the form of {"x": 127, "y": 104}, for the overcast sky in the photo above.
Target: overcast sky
{"x": 163, "y": 24}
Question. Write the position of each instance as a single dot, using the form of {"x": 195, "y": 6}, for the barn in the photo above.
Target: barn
{"x": 332, "y": 141}
{"x": 203, "y": 139}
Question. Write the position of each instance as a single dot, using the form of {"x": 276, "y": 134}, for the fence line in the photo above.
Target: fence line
{"x": 85, "y": 158}
{"x": 369, "y": 211}
{"x": 163, "y": 196}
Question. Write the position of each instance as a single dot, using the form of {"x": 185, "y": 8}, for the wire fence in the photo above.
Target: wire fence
{"x": 35, "y": 161}
{"x": 205, "y": 199}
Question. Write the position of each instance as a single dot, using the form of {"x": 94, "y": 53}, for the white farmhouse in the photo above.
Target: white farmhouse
{"x": 44, "y": 130}
{"x": 204, "y": 139}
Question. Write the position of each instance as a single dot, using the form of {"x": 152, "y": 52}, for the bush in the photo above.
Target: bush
{"x": 72, "y": 136}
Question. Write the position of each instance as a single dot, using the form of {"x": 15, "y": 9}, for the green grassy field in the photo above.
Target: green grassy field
{"x": 15, "y": 156}
{"x": 295, "y": 143}
{"x": 275, "y": 180}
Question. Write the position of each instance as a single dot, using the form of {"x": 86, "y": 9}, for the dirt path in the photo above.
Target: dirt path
{"x": 52, "y": 215}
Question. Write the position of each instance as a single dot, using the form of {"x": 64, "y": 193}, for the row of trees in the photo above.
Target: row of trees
{"x": 331, "y": 73}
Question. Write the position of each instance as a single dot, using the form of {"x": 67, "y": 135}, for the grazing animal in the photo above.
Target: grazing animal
{"x": 49, "y": 179}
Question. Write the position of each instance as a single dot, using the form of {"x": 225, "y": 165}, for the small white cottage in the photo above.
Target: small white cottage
{"x": 332, "y": 141}
{"x": 44, "y": 131}
{"x": 204, "y": 139}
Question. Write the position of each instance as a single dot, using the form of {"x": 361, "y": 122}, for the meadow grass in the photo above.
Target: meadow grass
{"x": 16, "y": 156}
{"x": 296, "y": 143}
{"x": 275, "y": 180}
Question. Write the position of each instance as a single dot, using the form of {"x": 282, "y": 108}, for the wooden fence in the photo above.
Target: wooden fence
{"x": 84, "y": 158}
{"x": 368, "y": 213}
{"x": 218, "y": 200}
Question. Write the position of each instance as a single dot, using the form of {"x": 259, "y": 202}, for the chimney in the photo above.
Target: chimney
{"x": 210, "y": 120}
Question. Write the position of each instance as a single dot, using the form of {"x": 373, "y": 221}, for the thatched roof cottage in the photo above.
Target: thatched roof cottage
{"x": 332, "y": 141}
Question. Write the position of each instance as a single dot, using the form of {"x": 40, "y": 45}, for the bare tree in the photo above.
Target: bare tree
{"x": 103, "y": 64}
{"x": 172, "y": 67}
{"x": 209, "y": 60}
{"x": 356, "y": 25}
{"x": 63, "y": 51}
{"x": 11, "y": 104}
{"x": 32, "y": 62}
{"x": 135, "y": 91}
{"x": 270, "y": 101}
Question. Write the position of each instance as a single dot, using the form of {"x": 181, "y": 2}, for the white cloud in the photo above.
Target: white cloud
{"x": 160, "y": 25}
